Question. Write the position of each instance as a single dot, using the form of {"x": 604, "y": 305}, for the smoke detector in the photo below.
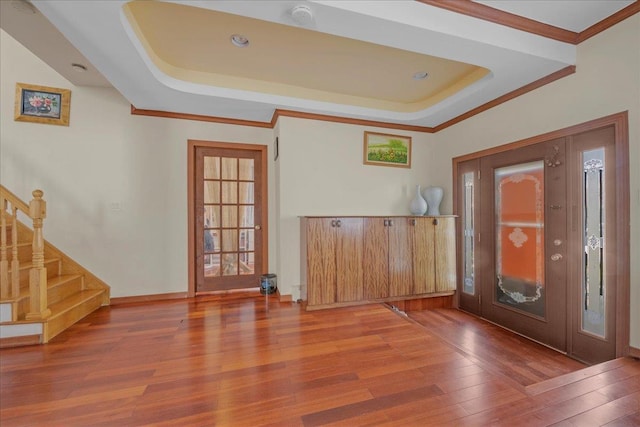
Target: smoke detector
{"x": 302, "y": 15}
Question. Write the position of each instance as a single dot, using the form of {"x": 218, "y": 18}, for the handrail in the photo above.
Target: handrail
{"x": 7, "y": 195}
{"x": 10, "y": 287}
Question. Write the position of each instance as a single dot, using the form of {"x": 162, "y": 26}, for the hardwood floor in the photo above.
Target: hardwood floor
{"x": 248, "y": 360}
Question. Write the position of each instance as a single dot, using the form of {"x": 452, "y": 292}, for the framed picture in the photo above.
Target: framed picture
{"x": 42, "y": 104}
{"x": 387, "y": 150}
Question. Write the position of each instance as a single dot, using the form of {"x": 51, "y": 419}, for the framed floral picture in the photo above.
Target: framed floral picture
{"x": 387, "y": 150}
{"x": 42, "y": 104}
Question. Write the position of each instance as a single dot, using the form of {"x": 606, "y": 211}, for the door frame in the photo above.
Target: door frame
{"x": 192, "y": 145}
{"x": 619, "y": 121}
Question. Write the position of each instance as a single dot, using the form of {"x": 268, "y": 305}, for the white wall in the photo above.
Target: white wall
{"x": 321, "y": 172}
{"x": 107, "y": 156}
{"x": 607, "y": 81}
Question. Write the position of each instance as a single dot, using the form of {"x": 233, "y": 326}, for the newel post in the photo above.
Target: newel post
{"x": 38, "y": 309}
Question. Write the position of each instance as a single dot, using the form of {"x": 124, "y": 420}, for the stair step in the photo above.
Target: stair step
{"x": 72, "y": 309}
{"x": 51, "y": 264}
{"x": 58, "y": 288}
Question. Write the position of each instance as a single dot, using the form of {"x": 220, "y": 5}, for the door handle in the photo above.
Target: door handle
{"x": 257, "y": 227}
{"x": 556, "y": 257}
{"x": 338, "y": 223}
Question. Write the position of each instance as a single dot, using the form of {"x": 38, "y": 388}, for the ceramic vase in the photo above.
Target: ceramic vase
{"x": 433, "y": 196}
{"x": 418, "y": 204}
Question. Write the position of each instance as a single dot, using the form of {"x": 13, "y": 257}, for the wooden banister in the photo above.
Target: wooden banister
{"x": 10, "y": 204}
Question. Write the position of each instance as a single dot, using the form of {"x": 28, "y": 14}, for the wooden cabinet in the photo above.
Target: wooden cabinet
{"x": 359, "y": 259}
{"x": 434, "y": 254}
{"x": 334, "y": 260}
{"x": 387, "y": 257}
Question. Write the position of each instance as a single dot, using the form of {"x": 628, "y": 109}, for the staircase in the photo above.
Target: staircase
{"x": 42, "y": 291}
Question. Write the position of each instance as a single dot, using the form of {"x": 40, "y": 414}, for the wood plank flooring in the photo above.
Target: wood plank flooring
{"x": 249, "y": 360}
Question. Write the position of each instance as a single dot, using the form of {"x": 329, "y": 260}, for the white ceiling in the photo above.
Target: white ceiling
{"x": 97, "y": 34}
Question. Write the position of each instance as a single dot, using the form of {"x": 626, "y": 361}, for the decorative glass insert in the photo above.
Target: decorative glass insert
{"x": 593, "y": 217}
{"x": 519, "y": 230}
{"x": 468, "y": 281}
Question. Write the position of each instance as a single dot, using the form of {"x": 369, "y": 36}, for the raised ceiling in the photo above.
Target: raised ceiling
{"x": 354, "y": 59}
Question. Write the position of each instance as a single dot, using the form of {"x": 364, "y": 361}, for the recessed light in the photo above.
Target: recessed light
{"x": 302, "y": 15}
{"x": 24, "y": 6}
{"x": 239, "y": 40}
{"x": 79, "y": 68}
{"x": 420, "y": 75}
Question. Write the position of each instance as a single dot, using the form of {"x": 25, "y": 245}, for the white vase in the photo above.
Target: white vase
{"x": 433, "y": 196}
{"x": 418, "y": 204}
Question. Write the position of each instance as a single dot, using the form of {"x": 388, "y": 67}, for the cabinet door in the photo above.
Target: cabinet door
{"x": 445, "y": 250}
{"x": 349, "y": 258}
{"x": 423, "y": 256}
{"x": 400, "y": 257}
{"x": 321, "y": 261}
{"x": 376, "y": 258}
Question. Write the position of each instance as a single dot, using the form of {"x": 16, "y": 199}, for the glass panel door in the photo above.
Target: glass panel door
{"x": 231, "y": 218}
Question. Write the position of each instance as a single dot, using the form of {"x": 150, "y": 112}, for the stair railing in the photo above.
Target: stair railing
{"x": 10, "y": 204}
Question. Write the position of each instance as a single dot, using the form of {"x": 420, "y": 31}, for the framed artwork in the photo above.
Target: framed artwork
{"x": 42, "y": 104}
{"x": 387, "y": 150}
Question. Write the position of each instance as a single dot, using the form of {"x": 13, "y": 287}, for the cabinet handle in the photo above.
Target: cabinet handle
{"x": 333, "y": 222}
{"x": 413, "y": 222}
{"x": 338, "y": 223}
{"x": 386, "y": 222}
{"x": 435, "y": 221}
{"x": 390, "y": 223}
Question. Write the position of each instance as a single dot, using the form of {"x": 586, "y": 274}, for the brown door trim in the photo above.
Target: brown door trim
{"x": 620, "y": 122}
{"x": 192, "y": 144}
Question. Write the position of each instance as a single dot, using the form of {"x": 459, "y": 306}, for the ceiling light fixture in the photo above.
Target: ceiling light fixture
{"x": 239, "y": 40}
{"x": 78, "y": 67}
{"x": 302, "y": 15}
{"x": 420, "y": 75}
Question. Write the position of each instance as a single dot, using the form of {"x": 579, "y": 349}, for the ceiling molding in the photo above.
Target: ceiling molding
{"x": 610, "y": 21}
{"x": 508, "y": 96}
{"x": 200, "y": 118}
{"x": 360, "y": 122}
{"x": 481, "y": 11}
{"x": 348, "y": 120}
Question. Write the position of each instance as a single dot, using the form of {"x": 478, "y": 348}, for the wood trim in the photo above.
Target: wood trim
{"x": 148, "y": 298}
{"x": 20, "y": 341}
{"x": 197, "y": 117}
{"x": 623, "y": 269}
{"x": 497, "y": 16}
{"x": 348, "y": 120}
{"x": 509, "y": 96}
{"x": 393, "y": 299}
{"x": 192, "y": 144}
{"x": 623, "y": 232}
{"x": 609, "y": 22}
{"x": 616, "y": 119}
{"x": 634, "y": 352}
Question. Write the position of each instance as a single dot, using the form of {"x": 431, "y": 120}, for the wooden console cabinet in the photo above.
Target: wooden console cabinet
{"x": 355, "y": 260}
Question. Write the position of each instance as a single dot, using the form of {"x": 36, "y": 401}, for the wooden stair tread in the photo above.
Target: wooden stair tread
{"x": 51, "y": 283}
{"x": 73, "y": 301}
{"x": 29, "y": 265}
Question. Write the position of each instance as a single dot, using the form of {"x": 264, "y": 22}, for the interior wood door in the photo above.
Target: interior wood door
{"x": 229, "y": 206}
{"x": 524, "y": 286}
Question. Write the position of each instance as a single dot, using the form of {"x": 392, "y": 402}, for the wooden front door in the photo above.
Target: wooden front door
{"x": 539, "y": 241}
{"x": 524, "y": 284}
{"x": 229, "y": 216}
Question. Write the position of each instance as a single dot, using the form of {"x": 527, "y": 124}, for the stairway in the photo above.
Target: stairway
{"x": 72, "y": 292}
